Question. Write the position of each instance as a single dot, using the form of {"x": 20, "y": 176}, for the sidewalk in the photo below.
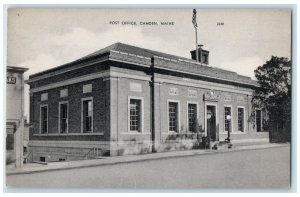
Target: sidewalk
{"x": 35, "y": 168}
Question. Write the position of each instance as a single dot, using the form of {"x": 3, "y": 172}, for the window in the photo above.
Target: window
{"x": 135, "y": 115}
{"x": 44, "y": 119}
{"x": 205, "y": 58}
{"x": 192, "y": 117}
{"x": 10, "y": 141}
{"x": 241, "y": 114}
{"x": 227, "y": 111}
{"x": 258, "y": 120}
{"x": 87, "y": 116}
{"x": 63, "y": 117}
{"x": 173, "y": 116}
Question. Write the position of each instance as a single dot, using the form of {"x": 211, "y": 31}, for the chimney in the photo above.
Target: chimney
{"x": 202, "y": 54}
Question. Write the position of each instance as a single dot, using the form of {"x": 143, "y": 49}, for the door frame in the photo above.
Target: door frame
{"x": 205, "y": 117}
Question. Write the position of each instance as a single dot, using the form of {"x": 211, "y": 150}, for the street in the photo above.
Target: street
{"x": 262, "y": 168}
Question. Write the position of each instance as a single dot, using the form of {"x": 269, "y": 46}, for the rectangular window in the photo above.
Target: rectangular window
{"x": 10, "y": 141}
{"x": 87, "y": 116}
{"x": 227, "y": 112}
{"x": 192, "y": 117}
{"x": 173, "y": 116}
{"x": 135, "y": 115}
{"x": 205, "y": 58}
{"x": 44, "y": 119}
{"x": 241, "y": 114}
{"x": 258, "y": 120}
{"x": 63, "y": 117}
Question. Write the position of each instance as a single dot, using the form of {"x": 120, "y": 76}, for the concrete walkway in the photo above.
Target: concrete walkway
{"x": 35, "y": 168}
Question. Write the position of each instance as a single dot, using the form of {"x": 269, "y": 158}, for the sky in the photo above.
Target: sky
{"x": 40, "y": 39}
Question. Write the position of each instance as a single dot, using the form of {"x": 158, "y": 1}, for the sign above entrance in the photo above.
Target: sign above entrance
{"x": 211, "y": 96}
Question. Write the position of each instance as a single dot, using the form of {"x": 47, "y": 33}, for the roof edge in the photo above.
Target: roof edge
{"x": 16, "y": 68}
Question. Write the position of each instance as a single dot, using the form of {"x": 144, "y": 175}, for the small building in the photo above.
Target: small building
{"x": 14, "y": 114}
{"x": 129, "y": 100}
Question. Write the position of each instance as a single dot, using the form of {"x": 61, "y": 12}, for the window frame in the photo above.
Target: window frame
{"x": 59, "y": 120}
{"x": 261, "y": 121}
{"x": 141, "y": 114}
{"x": 92, "y": 124}
{"x": 41, "y": 106}
{"x": 178, "y": 116}
{"x": 231, "y": 120}
{"x": 244, "y": 119}
{"x": 187, "y": 113}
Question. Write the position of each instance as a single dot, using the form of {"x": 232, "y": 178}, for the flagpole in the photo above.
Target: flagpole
{"x": 197, "y": 54}
{"x": 194, "y": 21}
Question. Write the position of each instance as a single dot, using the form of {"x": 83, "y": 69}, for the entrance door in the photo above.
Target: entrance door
{"x": 211, "y": 123}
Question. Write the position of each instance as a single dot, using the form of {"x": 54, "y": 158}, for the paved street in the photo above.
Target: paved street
{"x": 263, "y": 168}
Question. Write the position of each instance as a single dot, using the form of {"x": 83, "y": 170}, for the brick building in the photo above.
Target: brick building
{"x": 120, "y": 99}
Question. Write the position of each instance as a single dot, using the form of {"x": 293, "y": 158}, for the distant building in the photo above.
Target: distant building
{"x": 14, "y": 114}
{"x": 120, "y": 99}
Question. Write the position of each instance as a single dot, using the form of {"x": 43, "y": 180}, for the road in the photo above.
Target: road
{"x": 262, "y": 168}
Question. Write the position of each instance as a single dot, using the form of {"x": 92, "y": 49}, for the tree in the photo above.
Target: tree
{"x": 274, "y": 95}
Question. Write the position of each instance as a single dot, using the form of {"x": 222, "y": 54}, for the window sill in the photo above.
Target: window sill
{"x": 135, "y": 133}
{"x": 67, "y": 134}
{"x": 235, "y": 132}
{"x": 172, "y": 132}
{"x": 239, "y": 132}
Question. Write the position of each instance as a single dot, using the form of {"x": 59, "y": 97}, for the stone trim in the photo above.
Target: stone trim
{"x": 200, "y": 85}
{"x": 65, "y": 144}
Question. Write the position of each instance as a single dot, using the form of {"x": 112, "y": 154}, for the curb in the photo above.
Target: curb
{"x": 145, "y": 158}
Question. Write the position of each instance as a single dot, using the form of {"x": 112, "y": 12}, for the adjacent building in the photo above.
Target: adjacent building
{"x": 14, "y": 114}
{"x": 128, "y": 100}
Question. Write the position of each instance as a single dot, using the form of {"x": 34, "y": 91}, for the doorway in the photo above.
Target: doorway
{"x": 211, "y": 123}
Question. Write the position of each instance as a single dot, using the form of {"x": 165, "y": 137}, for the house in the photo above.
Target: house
{"x": 14, "y": 114}
{"x": 124, "y": 99}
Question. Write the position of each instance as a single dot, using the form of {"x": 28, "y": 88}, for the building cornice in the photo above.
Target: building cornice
{"x": 160, "y": 66}
{"x": 204, "y": 85}
{"x": 54, "y": 73}
{"x": 108, "y": 74}
{"x": 143, "y": 62}
{"x": 16, "y": 69}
